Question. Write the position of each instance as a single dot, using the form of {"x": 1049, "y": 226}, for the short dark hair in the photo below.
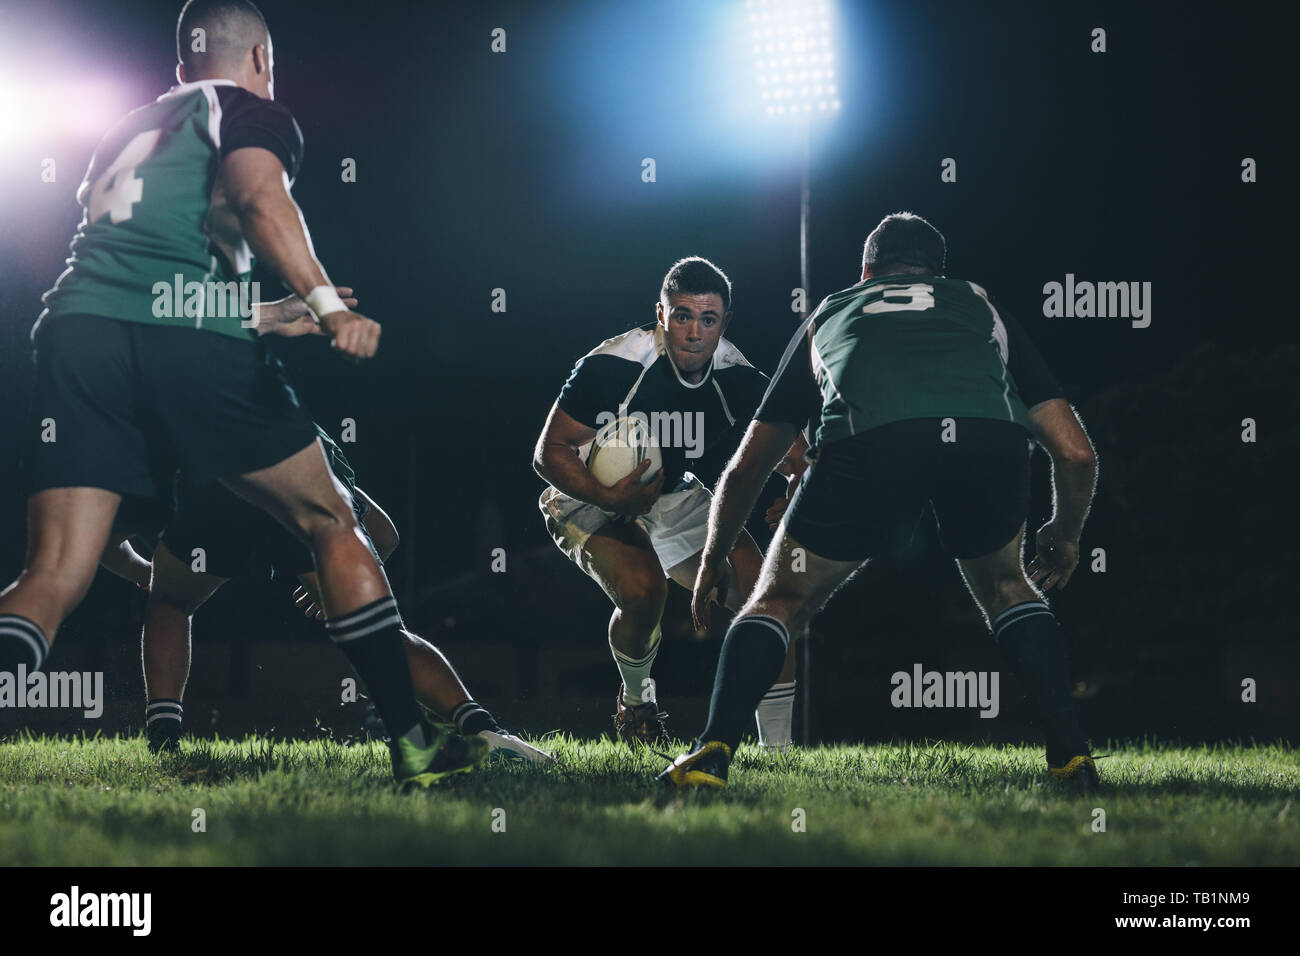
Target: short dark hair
{"x": 695, "y": 275}
{"x": 907, "y": 242}
{"x": 230, "y": 28}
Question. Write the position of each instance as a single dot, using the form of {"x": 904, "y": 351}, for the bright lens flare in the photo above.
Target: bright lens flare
{"x": 35, "y": 111}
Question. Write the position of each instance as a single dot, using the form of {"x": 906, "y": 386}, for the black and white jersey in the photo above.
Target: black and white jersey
{"x": 697, "y": 425}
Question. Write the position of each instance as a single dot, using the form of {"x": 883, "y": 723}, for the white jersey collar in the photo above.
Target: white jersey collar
{"x": 663, "y": 349}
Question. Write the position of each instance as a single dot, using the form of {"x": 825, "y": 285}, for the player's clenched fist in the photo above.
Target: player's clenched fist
{"x": 353, "y": 334}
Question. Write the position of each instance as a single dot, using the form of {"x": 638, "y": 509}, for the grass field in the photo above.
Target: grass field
{"x": 107, "y": 801}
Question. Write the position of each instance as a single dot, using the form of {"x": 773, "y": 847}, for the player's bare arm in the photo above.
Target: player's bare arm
{"x": 556, "y": 460}
{"x": 1058, "y": 429}
{"x": 761, "y": 450}
{"x": 255, "y": 187}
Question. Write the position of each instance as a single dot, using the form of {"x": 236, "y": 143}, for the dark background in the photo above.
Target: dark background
{"x": 522, "y": 171}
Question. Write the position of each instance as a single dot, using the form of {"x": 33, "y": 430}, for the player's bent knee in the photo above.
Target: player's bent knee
{"x": 1009, "y": 591}
{"x": 323, "y": 527}
{"x": 63, "y": 587}
{"x": 643, "y": 594}
{"x": 1013, "y": 588}
{"x": 785, "y": 608}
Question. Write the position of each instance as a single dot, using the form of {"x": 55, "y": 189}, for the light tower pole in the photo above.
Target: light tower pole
{"x": 794, "y": 70}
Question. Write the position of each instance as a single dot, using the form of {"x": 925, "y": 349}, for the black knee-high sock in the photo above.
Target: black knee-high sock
{"x": 164, "y": 710}
{"x": 21, "y": 642}
{"x": 162, "y": 719}
{"x": 751, "y": 659}
{"x": 471, "y": 717}
{"x": 1028, "y": 635}
{"x": 371, "y": 638}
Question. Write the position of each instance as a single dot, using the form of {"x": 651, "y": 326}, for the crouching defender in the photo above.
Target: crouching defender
{"x": 238, "y": 541}
{"x": 926, "y": 395}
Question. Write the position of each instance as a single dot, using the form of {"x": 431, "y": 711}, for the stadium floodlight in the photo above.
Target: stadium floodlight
{"x": 794, "y": 57}
{"x": 795, "y": 76}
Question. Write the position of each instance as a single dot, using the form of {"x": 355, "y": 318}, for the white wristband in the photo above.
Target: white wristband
{"x": 323, "y": 300}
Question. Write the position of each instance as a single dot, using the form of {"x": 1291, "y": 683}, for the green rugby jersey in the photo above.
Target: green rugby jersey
{"x": 156, "y": 243}
{"x": 902, "y": 347}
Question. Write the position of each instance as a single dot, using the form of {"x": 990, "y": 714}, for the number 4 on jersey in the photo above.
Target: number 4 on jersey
{"x": 119, "y": 189}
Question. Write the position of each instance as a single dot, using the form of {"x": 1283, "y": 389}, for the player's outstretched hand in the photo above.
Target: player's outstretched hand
{"x": 353, "y": 334}
{"x": 1056, "y": 559}
{"x": 629, "y": 497}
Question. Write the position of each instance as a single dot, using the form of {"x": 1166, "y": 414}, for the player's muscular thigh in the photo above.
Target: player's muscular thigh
{"x": 300, "y": 492}
{"x": 622, "y": 561}
{"x": 795, "y": 583}
{"x": 997, "y": 581}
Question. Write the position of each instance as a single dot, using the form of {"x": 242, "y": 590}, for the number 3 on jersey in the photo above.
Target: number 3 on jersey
{"x": 118, "y": 188}
{"x": 902, "y": 298}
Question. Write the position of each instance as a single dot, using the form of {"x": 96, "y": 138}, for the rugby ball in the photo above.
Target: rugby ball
{"x": 619, "y": 447}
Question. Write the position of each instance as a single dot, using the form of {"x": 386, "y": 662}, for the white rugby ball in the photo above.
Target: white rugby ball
{"x": 619, "y": 447}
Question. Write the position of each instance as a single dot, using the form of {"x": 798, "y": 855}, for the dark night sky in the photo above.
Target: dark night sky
{"x": 522, "y": 171}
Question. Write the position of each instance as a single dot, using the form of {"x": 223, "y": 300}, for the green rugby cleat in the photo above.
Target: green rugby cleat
{"x": 447, "y": 753}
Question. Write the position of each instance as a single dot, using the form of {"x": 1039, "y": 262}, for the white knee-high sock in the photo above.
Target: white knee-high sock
{"x": 775, "y": 716}
{"x": 637, "y": 686}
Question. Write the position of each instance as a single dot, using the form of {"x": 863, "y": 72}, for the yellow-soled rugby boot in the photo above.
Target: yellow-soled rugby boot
{"x": 704, "y": 766}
